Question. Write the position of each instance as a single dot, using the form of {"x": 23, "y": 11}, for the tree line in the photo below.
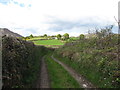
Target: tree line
{"x": 99, "y": 33}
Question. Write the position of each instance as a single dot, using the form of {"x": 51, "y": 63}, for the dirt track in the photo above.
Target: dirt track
{"x": 43, "y": 81}
{"x": 80, "y": 79}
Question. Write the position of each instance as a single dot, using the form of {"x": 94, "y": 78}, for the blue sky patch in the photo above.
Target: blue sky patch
{"x": 115, "y": 29}
{"x": 5, "y": 2}
{"x": 22, "y": 5}
{"x": 15, "y": 2}
{"x": 29, "y": 5}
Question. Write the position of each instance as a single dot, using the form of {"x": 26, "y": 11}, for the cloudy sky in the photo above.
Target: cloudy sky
{"x": 53, "y": 17}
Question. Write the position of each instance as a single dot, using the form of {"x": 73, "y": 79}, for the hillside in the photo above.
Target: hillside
{"x": 5, "y": 31}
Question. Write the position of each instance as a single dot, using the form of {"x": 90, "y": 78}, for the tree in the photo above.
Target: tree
{"x": 59, "y": 37}
{"x": 66, "y": 36}
{"x": 45, "y": 35}
{"x": 53, "y": 36}
{"x": 31, "y": 36}
{"x": 104, "y": 32}
{"x": 82, "y": 36}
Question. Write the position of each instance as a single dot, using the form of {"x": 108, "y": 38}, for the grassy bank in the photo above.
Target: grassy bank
{"x": 59, "y": 77}
{"x": 20, "y": 62}
{"x": 96, "y": 59}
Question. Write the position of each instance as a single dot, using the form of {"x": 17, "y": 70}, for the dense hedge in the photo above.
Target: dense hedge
{"x": 21, "y": 62}
{"x": 96, "y": 59}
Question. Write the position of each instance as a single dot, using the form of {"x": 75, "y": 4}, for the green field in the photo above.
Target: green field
{"x": 49, "y": 42}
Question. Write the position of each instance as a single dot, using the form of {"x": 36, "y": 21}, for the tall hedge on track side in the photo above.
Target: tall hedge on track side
{"x": 20, "y": 62}
{"x": 95, "y": 58}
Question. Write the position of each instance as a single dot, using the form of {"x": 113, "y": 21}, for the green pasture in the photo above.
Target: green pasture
{"x": 49, "y": 42}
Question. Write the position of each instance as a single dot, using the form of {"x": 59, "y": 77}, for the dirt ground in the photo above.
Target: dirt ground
{"x": 43, "y": 80}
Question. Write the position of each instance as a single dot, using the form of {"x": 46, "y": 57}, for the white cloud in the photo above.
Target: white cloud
{"x": 38, "y": 13}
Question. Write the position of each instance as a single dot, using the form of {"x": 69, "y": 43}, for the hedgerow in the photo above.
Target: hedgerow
{"x": 20, "y": 62}
{"x": 97, "y": 59}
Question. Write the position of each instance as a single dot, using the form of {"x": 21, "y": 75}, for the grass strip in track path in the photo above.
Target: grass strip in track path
{"x": 80, "y": 79}
{"x": 59, "y": 77}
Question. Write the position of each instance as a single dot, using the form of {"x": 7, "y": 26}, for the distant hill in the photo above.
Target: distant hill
{"x": 5, "y": 31}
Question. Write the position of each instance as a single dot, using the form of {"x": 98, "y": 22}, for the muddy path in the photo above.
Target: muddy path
{"x": 43, "y": 80}
{"x": 79, "y": 78}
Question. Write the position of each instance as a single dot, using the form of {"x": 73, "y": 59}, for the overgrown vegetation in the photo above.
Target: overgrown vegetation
{"x": 21, "y": 62}
{"x": 96, "y": 58}
{"x": 59, "y": 77}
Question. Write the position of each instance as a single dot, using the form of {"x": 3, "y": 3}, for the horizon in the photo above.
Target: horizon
{"x": 90, "y": 32}
{"x": 53, "y": 17}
